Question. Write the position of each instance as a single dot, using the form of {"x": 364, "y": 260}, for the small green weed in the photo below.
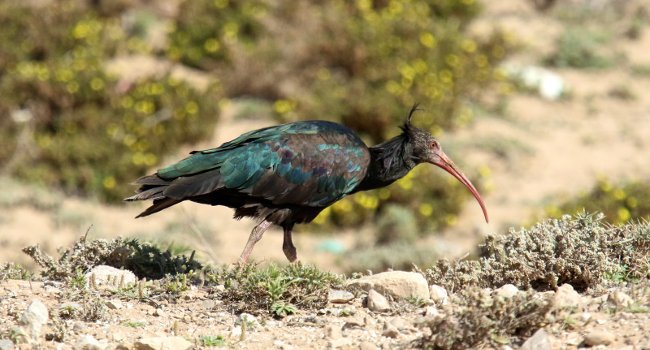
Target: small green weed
{"x": 212, "y": 340}
{"x": 135, "y": 324}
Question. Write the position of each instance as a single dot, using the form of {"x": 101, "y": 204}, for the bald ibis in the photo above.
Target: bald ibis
{"x": 287, "y": 174}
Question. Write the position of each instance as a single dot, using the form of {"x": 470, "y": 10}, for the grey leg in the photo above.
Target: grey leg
{"x": 254, "y": 237}
{"x": 287, "y": 245}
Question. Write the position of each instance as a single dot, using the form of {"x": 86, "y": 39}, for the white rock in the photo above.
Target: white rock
{"x": 507, "y": 291}
{"x": 566, "y": 297}
{"x": 540, "y": 340}
{"x": 377, "y": 302}
{"x": 398, "y": 284}
{"x": 438, "y": 294}
{"x": 88, "y": 342}
{"x": 6, "y": 344}
{"x": 250, "y": 320}
{"x": 431, "y": 311}
{"x": 339, "y": 296}
{"x": 620, "y": 299}
{"x": 599, "y": 337}
{"x": 366, "y": 345}
{"x": 235, "y": 332}
{"x": 102, "y": 274}
{"x": 162, "y": 343}
{"x": 35, "y": 317}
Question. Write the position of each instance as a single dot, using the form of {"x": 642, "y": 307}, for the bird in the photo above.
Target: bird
{"x": 287, "y": 174}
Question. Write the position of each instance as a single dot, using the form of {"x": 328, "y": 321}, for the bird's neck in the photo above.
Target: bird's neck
{"x": 389, "y": 162}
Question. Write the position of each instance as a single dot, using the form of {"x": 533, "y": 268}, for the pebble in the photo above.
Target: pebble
{"x": 88, "y": 342}
{"x": 620, "y": 299}
{"x": 114, "y": 304}
{"x": 339, "y": 343}
{"x": 354, "y": 323}
{"x": 377, "y": 302}
{"x": 35, "y": 317}
{"x": 6, "y": 344}
{"x": 540, "y": 340}
{"x": 162, "y": 343}
{"x": 390, "y": 331}
{"x": 102, "y": 274}
{"x": 250, "y": 320}
{"x": 507, "y": 291}
{"x": 438, "y": 294}
{"x": 431, "y": 311}
{"x": 566, "y": 297}
{"x": 333, "y": 332}
{"x": 599, "y": 337}
{"x": 366, "y": 345}
{"x": 336, "y": 296}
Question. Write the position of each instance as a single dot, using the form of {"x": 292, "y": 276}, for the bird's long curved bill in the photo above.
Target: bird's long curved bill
{"x": 446, "y": 164}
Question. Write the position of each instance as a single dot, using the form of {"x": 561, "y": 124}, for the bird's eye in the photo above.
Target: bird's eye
{"x": 434, "y": 144}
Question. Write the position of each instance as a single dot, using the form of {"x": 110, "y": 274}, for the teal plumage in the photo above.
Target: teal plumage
{"x": 289, "y": 173}
{"x": 307, "y": 165}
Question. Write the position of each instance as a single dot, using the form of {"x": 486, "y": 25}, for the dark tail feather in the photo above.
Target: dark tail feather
{"x": 158, "y": 205}
{"x": 152, "y": 187}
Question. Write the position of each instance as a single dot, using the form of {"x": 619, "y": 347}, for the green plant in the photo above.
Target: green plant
{"x": 135, "y": 324}
{"x": 619, "y": 202}
{"x": 481, "y": 320}
{"x": 580, "y": 47}
{"x": 582, "y": 251}
{"x": 87, "y": 131}
{"x": 212, "y": 340}
{"x": 282, "y": 309}
{"x": 279, "y": 290}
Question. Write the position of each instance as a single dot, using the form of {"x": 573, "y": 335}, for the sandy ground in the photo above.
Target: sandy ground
{"x": 552, "y": 149}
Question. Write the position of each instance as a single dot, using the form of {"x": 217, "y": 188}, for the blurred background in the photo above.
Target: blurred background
{"x": 543, "y": 103}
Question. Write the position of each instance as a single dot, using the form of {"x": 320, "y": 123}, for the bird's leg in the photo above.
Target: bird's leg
{"x": 287, "y": 245}
{"x": 254, "y": 237}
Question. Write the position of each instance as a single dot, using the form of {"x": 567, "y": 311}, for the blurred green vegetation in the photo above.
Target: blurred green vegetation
{"x": 620, "y": 202}
{"x": 362, "y": 63}
{"x": 87, "y": 131}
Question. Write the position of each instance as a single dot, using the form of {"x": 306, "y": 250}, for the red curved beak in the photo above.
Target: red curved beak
{"x": 446, "y": 163}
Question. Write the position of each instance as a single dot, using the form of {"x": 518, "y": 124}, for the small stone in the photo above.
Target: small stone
{"x": 159, "y": 312}
{"x": 88, "y": 342}
{"x": 235, "y": 332}
{"x": 35, "y": 317}
{"x": 333, "y": 332}
{"x": 377, "y": 302}
{"x": 162, "y": 343}
{"x": 390, "y": 331}
{"x": 114, "y": 304}
{"x": 6, "y": 344}
{"x": 354, "y": 323}
{"x": 108, "y": 276}
{"x": 566, "y": 297}
{"x": 339, "y": 343}
{"x": 400, "y": 323}
{"x": 540, "y": 340}
{"x": 438, "y": 294}
{"x": 585, "y": 316}
{"x": 250, "y": 320}
{"x": 398, "y": 284}
{"x": 366, "y": 345}
{"x": 339, "y": 296}
{"x": 573, "y": 339}
{"x": 599, "y": 337}
{"x": 507, "y": 291}
{"x": 620, "y": 299}
{"x": 431, "y": 311}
